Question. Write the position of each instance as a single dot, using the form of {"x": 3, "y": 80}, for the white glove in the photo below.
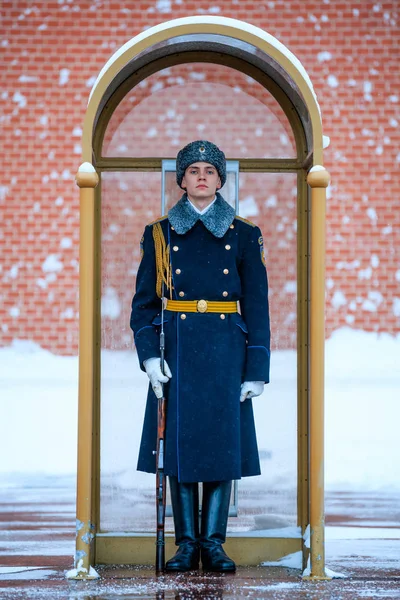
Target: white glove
{"x": 153, "y": 370}
{"x": 251, "y": 389}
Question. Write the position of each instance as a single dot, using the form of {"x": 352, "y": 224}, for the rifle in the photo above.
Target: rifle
{"x": 160, "y": 477}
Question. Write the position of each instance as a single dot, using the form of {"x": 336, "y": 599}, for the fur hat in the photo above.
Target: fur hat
{"x": 200, "y": 151}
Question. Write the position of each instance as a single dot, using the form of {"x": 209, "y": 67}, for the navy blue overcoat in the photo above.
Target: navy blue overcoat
{"x": 218, "y": 256}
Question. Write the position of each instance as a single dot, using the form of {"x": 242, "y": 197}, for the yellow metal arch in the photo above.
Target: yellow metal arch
{"x": 233, "y": 28}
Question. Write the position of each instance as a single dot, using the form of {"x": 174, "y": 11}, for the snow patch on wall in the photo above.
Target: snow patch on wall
{"x": 348, "y": 266}
{"x": 374, "y": 261}
{"x": 52, "y": 264}
{"x": 128, "y": 212}
{"x": 90, "y": 82}
{"x": 13, "y": 272}
{"x": 365, "y": 273}
{"x": 329, "y": 283}
{"x": 14, "y": 312}
{"x": 197, "y": 76}
{"x": 66, "y": 243}
{"x": 396, "y": 307}
{"x": 151, "y": 132}
{"x": 63, "y": 77}
{"x": 371, "y": 212}
{"x": 248, "y": 207}
{"x": 271, "y": 201}
{"x": 332, "y": 81}
{"x": 3, "y": 192}
{"x": 290, "y": 287}
{"x": 42, "y": 283}
{"x": 323, "y": 56}
{"x": 338, "y": 299}
{"x": 163, "y": 6}
{"x": 373, "y": 301}
{"x": 27, "y": 79}
{"x": 367, "y": 90}
{"x": 110, "y": 304}
{"x": 19, "y": 99}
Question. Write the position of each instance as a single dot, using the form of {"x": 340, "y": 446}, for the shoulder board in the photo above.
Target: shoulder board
{"x": 159, "y": 219}
{"x": 245, "y": 221}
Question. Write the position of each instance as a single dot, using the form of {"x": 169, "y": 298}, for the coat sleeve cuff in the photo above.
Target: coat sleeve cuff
{"x": 257, "y": 364}
{"x": 147, "y": 342}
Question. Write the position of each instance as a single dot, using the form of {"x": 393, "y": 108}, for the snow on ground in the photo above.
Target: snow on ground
{"x": 38, "y": 404}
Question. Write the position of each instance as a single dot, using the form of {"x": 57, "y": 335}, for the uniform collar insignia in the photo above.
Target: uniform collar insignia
{"x": 217, "y": 219}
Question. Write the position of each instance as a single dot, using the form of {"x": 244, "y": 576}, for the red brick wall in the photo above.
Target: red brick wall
{"x": 51, "y": 53}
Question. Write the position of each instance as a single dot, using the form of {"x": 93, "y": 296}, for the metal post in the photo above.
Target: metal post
{"x": 318, "y": 179}
{"x": 87, "y": 179}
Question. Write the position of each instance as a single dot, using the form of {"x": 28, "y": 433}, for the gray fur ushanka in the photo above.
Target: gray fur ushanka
{"x": 200, "y": 151}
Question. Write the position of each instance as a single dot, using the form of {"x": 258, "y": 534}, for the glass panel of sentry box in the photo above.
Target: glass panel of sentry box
{"x": 130, "y": 200}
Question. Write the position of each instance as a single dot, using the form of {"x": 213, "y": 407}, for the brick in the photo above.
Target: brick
{"x": 28, "y": 237}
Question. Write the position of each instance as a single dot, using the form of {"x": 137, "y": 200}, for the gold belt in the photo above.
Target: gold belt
{"x": 201, "y": 306}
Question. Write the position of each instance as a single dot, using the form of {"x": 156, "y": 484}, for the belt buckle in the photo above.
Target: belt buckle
{"x": 202, "y": 306}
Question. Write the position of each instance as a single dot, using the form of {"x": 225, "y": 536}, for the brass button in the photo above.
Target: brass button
{"x": 181, "y": 293}
{"x": 222, "y": 317}
{"x": 232, "y": 226}
{"x": 178, "y": 271}
{"x": 175, "y": 248}
{"x": 202, "y": 306}
{"x": 183, "y": 316}
{"x": 173, "y": 228}
{"x": 227, "y": 247}
{"x": 226, "y": 271}
{"x": 224, "y": 293}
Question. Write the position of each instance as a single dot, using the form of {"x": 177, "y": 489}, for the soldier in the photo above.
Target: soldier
{"x": 210, "y": 263}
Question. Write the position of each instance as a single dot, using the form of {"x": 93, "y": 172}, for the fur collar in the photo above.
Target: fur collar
{"x": 217, "y": 219}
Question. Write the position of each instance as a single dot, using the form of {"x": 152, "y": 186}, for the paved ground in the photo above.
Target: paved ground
{"x": 37, "y": 544}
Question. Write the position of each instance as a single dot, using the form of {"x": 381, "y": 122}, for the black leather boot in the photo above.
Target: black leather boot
{"x": 214, "y": 521}
{"x": 185, "y": 506}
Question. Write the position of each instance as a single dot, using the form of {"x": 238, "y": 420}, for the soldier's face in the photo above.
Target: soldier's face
{"x": 201, "y": 180}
